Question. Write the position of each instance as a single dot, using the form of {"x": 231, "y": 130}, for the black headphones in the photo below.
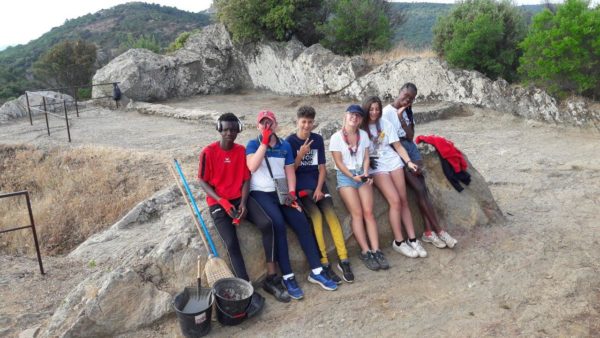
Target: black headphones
{"x": 219, "y": 126}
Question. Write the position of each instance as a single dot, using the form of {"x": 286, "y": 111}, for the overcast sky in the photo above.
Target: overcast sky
{"x": 25, "y": 20}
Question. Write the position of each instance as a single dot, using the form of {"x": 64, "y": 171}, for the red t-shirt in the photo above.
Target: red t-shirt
{"x": 225, "y": 170}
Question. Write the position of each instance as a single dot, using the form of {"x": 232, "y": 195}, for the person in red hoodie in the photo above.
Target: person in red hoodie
{"x": 400, "y": 114}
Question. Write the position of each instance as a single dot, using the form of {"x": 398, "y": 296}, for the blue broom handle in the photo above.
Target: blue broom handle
{"x": 191, "y": 196}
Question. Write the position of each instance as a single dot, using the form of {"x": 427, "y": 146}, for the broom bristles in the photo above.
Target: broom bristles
{"x": 215, "y": 269}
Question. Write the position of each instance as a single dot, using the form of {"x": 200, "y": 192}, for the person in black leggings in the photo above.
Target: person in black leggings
{"x": 225, "y": 178}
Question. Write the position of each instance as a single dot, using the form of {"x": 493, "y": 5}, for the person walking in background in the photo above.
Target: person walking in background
{"x": 308, "y": 150}
{"x": 350, "y": 150}
{"x": 270, "y": 161}
{"x": 225, "y": 178}
{"x": 387, "y": 158}
{"x": 400, "y": 115}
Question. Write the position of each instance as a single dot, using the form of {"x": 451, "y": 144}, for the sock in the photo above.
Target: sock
{"x": 344, "y": 261}
{"x": 398, "y": 243}
{"x": 317, "y": 271}
{"x": 428, "y": 233}
{"x": 412, "y": 240}
{"x": 288, "y": 276}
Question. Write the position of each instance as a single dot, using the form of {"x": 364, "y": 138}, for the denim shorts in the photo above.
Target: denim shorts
{"x": 412, "y": 150}
{"x": 345, "y": 181}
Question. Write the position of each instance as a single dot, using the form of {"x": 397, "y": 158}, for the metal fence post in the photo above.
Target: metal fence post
{"x": 35, "y": 239}
{"x": 46, "y": 114}
{"x": 28, "y": 109}
{"x": 67, "y": 120}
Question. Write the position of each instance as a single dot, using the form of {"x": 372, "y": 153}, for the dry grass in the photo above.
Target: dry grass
{"x": 377, "y": 58}
{"x": 75, "y": 193}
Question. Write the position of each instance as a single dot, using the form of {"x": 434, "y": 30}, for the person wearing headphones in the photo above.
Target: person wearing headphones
{"x": 224, "y": 176}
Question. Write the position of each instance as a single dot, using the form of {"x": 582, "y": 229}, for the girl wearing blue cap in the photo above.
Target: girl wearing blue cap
{"x": 349, "y": 148}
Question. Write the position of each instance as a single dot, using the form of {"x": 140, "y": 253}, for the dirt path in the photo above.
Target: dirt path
{"x": 535, "y": 275}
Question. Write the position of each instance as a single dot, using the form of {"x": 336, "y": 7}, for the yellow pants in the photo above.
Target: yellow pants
{"x": 316, "y": 212}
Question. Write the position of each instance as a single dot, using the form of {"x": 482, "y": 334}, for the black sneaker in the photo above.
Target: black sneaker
{"x": 274, "y": 286}
{"x": 347, "y": 274}
{"x": 329, "y": 273}
{"x": 369, "y": 260}
{"x": 380, "y": 258}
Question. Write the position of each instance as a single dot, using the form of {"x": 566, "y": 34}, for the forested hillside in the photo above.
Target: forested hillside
{"x": 109, "y": 29}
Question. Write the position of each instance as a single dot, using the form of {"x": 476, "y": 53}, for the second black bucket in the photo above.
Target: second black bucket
{"x": 233, "y": 299}
{"x": 194, "y": 311}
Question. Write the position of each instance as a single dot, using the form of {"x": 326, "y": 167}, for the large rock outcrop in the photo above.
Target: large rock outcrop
{"x": 211, "y": 63}
{"x": 290, "y": 68}
{"x": 207, "y": 64}
{"x": 150, "y": 254}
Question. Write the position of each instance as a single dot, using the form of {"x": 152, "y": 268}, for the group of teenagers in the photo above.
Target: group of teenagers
{"x": 374, "y": 147}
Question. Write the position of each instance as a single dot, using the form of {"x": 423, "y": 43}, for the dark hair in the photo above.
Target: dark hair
{"x": 306, "y": 112}
{"x": 366, "y": 106}
{"x": 228, "y": 117}
{"x": 408, "y": 86}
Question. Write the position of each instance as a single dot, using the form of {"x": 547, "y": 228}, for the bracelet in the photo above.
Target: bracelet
{"x": 409, "y": 161}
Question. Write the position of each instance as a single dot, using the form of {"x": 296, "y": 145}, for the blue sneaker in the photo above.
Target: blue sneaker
{"x": 293, "y": 289}
{"x": 322, "y": 279}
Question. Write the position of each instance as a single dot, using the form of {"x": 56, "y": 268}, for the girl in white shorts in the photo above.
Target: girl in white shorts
{"x": 387, "y": 159}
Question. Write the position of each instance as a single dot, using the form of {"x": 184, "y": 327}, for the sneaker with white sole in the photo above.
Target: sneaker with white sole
{"x": 416, "y": 245}
{"x": 323, "y": 280}
{"x": 434, "y": 239}
{"x": 405, "y": 249}
{"x": 450, "y": 241}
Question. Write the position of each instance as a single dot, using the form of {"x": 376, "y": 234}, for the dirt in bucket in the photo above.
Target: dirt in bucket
{"x": 231, "y": 294}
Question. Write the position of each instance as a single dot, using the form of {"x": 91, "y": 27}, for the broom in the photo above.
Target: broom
{"x": 216, "y": 268}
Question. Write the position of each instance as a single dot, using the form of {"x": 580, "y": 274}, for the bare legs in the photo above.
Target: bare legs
{"x": 360, "y": 205}
{"x": 417, "y": 182}
{"x": 393, "y": 188}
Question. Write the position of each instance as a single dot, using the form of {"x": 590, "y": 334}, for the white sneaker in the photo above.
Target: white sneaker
{"x": 434, "y": 239}
{"x": 418, "y": 248}
{"x": 405, "y": 249}
{"x": 450, "y": 242}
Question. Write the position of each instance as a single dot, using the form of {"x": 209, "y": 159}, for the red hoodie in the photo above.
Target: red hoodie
{"x": 447, "y": 150}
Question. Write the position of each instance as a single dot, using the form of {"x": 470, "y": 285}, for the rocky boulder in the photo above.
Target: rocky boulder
{"x": 207, "y": 64}
{"x": 18, "y": 107}
{"x": 290, "y": 68}
{"x": 150, "y": 254}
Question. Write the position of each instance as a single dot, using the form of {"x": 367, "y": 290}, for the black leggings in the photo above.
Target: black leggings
{"x": 227, "y": 232}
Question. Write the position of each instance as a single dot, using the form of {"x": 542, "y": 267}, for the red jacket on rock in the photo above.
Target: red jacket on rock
{"x": 447, "y": 150}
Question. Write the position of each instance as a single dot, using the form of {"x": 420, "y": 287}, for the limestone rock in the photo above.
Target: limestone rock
{"x": 290, "y": 68}
{"x": 206, "y": 65}
{"x": 150, "y": 254}
{"x": 18, "y": 107}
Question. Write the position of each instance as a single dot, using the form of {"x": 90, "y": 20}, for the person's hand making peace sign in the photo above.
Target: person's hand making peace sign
{"x": 305, "y": 148}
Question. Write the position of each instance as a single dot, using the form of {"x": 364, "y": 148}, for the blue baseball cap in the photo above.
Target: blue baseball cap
{"x": 354, "y": 108}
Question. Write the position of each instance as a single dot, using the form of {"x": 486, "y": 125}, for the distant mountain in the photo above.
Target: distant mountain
{"x": 108, "y": 29}
{"x": 417, "y": 31}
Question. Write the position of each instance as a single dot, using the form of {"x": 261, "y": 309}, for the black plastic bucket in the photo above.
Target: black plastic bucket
{"x": 194, "y": 311}
{"x": 233, "y": 300}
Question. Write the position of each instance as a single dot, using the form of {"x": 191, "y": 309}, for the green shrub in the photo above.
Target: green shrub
{"x": 179, "y": 42}
{"x": 84, "y": 93}
{"x": 255, "y": 20}
{"x": 67, "y": 64}
{"x": 562, "y": 50}
{"x": 481, "y": 35}
{"x": 356, "y": 26}
{"x": 143, "y": 41}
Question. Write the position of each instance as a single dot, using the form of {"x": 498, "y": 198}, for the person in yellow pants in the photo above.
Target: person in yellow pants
{"x": 309, "y": 153}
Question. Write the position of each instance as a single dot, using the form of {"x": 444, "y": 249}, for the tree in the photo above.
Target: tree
{"x": 143, "y": 41}
{"x": 562, "y": 49}
{"x": 179, "y": 42}
{"x": 359, "y": 25}
{"x": 69, "y": 63}
{"x": 481, "y": 35}
{"x": 255, "y": 20}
